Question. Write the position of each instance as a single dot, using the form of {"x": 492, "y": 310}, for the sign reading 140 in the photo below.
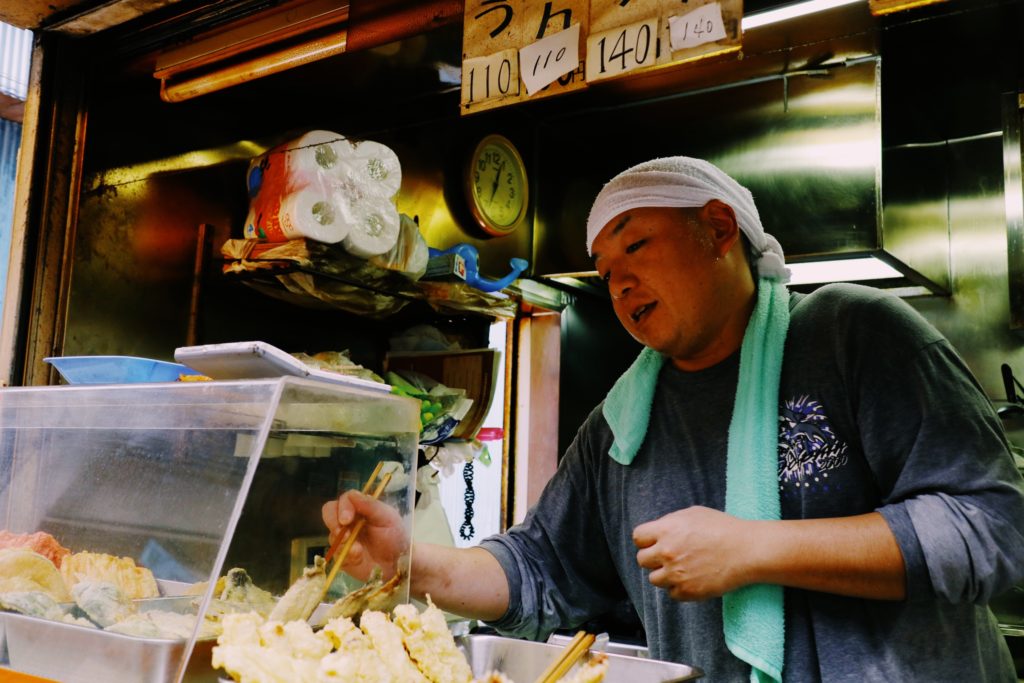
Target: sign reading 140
{"x": 622, "y": 49}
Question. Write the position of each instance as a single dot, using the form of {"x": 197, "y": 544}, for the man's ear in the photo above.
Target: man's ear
{"x": 721, "y": 219}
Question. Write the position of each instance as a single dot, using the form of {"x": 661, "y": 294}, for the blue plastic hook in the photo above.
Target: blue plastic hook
{"x": 470, "y": 255}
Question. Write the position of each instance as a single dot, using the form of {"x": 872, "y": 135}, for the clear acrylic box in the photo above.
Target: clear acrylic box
{"x": 189, "y": 479}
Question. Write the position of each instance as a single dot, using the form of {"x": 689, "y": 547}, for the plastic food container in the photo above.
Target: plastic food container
{"x": 117, "y": 369}
{"x": 188, "y": 479}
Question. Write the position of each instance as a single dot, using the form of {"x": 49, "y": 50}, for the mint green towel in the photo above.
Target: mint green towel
{"x": 753, "y": 616}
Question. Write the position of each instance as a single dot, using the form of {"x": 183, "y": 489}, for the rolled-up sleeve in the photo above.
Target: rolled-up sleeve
{"x": 559, "y": 569}
{"x": 951, "y": 493}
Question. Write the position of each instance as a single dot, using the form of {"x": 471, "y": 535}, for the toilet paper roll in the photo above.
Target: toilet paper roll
{"x": 373, "y": 227}
{"x": 312, "y": 214}
{"x": 307, "y": 160}
{"x": 376, "y": 166}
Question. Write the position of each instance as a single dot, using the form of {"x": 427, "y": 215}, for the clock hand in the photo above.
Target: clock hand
{"x": 497, "y": 179}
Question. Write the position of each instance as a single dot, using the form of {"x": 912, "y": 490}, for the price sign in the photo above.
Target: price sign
{"x": 547, "y": 59}
{"x": 702, "y": 25}
{"x": 491, "y": 77}
{"x": 621, "y": 50}
{"x": 557, "y": 46}
{"x": 494, "y": 27}
{"x": 698, "y": 29}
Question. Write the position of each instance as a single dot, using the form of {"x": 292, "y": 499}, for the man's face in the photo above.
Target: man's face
{"x": 664, "y": 274}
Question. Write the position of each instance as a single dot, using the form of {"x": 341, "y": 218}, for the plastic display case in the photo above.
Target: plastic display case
{"x": 188, "y": 479}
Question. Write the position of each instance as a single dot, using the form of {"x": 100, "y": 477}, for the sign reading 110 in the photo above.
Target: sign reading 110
{"x": 493, "y": 76}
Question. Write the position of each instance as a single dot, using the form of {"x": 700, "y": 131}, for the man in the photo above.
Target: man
{"x": 812, "y": 487}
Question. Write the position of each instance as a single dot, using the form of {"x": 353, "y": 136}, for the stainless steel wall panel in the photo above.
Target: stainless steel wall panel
{"x": 808, "y": 146}
{"x": 915, "y": 211}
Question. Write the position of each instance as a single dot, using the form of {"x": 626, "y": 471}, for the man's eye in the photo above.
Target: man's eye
{"x": 634, "y": 246}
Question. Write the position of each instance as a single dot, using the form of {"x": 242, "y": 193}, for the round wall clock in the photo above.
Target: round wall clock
{"x": 496, "y": 185}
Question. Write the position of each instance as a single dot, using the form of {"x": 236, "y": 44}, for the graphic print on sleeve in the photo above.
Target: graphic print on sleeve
{"x": 808, "y": 447}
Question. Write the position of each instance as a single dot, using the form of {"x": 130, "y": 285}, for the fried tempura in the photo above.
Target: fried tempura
{"x": 431, "y": 645}
{"x": 26, "y": 571}
{"x": 102, "y": 602}
{"x": 387, "y": 640}
{"x": 134, "y": 581}
{"x": 302, "y": 596}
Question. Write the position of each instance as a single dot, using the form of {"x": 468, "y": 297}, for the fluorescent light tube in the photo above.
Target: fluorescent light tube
{"x": 791, "y": 11}
{"x": 841, "y": 270}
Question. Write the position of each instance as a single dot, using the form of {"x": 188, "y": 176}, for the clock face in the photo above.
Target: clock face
{"x": 497, "y": 185}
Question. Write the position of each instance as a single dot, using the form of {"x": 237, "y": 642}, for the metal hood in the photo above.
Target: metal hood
{"x": 808, "y": 144}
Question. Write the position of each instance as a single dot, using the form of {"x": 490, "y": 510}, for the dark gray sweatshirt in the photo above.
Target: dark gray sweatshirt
{"x": 877, "y": 412}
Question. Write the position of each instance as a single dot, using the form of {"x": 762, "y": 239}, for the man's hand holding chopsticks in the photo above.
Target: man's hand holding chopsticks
{"x": 381, "y": 542}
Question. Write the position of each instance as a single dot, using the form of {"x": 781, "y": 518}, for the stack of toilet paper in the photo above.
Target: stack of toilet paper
{"x": 324, "y": 187}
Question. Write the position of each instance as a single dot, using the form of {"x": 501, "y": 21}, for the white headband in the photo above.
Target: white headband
{"x": 682, "y": 182}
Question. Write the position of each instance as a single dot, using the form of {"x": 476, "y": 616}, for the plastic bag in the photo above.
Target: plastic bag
{"x": 441, "y": 407}
{"x": 409, "y": 256}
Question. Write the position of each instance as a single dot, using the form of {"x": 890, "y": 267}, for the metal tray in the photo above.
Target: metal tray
{"x": 76, "y": 654}
{"x": 524, "y": 660}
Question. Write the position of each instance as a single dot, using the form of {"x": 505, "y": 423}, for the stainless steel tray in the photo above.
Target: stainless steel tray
{"x": 524, "y": 660}
{"x": 76, "y": 654}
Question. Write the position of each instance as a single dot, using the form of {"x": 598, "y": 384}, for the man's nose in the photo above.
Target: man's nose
{"x": 620, "y": 285}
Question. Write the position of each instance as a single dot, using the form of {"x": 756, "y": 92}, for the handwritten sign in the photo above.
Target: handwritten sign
{"x": 558, "y": 46}
{"x": 621, "y": 50}
{"x": 492, "y": 27}
{"x": 546, "y": 60}
{"x": 702, "y": 25}
{"x": 698, "y": 29}
{"x": 490, "y": 77}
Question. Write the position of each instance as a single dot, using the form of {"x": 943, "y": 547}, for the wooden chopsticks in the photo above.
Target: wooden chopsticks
{"x": 576, "y": 648}
{"x": 360, "y": 523}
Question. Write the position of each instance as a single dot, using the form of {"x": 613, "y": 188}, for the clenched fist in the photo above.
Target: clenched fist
{"x": 695, "y": 553}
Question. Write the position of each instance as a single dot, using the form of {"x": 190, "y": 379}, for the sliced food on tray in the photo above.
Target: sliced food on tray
{"x": 303, "y": 596}
{"x": 133, "y": 581}
{"x": 103, "y": 602}
{"x": 408, "y": 647}
{"x": 40, "y": 542}
{"x": 430, "y": 644}
{"x": 24, "y": 570}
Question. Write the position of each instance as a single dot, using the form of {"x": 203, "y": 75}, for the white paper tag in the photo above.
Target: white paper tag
{"x": 490, "y": 77}
{"x": 541, "y": 63}
{"x": 702, "y": 25}
{"x": 622, "y": 49}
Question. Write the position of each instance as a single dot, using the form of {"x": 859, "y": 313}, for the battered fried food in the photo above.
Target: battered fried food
{"x": 375, "y": 594}
{"x": 302, "y": 596}
{"x": 102, "y": 602}
{"x": 239, "y": 588}
{"x": 25, "y": 571}
{"x": 134, "y": 581}
{"x": 40, "y": 542}
{"x": 32, "y": 603}
{"x": 387, "y": 641}
{"x": 431, "y": 645}
{"x": 256, "y": 652}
